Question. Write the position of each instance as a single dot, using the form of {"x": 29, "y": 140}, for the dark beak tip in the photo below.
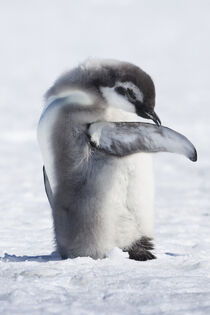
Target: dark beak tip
{"x": 157, "y": 121}
{"x": 149, "y": 114}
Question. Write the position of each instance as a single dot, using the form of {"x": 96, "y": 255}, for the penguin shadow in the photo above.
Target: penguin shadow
{"x": 174, "y": 254}
{"x": 54, "y": 256}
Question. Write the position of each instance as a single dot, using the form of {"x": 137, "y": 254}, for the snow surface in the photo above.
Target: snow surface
{"x": 169, "y": 40}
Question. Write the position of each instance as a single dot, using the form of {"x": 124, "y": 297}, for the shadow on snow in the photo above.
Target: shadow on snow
{"x": 54, "y": 256}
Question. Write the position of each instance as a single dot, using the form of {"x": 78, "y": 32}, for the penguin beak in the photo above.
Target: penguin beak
{"x": 149, "y": 113}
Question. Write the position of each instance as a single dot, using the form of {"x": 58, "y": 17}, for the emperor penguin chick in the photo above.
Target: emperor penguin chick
{"x": 97, "y": 158}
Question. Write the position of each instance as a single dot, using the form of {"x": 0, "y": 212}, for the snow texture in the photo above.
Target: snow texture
{"x": 169, "y": 40}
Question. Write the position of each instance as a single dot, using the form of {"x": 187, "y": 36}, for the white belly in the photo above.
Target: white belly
{"x": 127, "y": 212}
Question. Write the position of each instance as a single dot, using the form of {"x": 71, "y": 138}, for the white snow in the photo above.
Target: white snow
{"x": 169, "y": 40}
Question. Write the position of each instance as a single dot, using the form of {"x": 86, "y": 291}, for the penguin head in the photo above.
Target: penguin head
{"x": 124, "y": 86}
{"x": 112, "y": 84}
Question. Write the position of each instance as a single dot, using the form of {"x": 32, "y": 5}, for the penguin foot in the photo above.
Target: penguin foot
{"x": 140, "y": 250}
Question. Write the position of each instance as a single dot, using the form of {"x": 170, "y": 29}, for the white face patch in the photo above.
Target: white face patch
{"x": 121, "y": 102}
{"x": 116, "y": 100}
{"x": 118, "y": 115}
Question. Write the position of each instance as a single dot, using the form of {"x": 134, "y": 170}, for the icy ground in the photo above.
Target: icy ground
{"x": 170, "y": 40}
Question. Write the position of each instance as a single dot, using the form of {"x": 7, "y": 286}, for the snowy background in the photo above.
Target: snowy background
{"x": 171, "y": 41}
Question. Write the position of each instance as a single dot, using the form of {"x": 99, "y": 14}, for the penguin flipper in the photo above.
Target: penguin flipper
{"x": 124, "y": 138}
{"x": 48, "y": 188}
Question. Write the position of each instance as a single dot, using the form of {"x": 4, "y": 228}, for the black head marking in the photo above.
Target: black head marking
{"x": 131, "y": 94}
{"x": 121, "y": 90}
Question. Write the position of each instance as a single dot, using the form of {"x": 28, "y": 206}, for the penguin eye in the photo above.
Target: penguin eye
{"x": 126, "y": 92}
{"x": 121, "y": 90}
{"x": 131, "y": 94}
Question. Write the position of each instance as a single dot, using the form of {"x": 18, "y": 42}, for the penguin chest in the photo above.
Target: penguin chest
{"x": 128, "y": 206}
